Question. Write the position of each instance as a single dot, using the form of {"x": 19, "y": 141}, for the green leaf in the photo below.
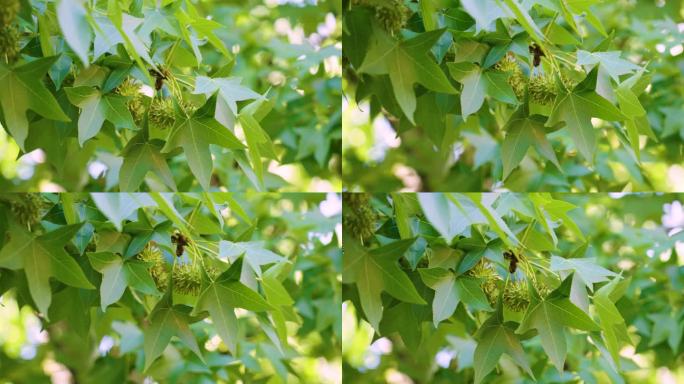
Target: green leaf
{"x": 473, "y": 93}
{"x": 220, "y": 299}
{"x": 586, "y": 270}
{"x": 519, "y": 138}
{"x": 95, "y": 109}
{"x": 256, "y": 138}
{"x": 375, "y": 271}
{"x": 448, "y": 218}
{"x": 523, "y": 17}
{"x": 222, "y": 314}
{"x": 611, "y": 321}
{"x": 138, "y": 277}
{"x": 73, "y": 21}
{"x": 494, "y": 339}
{"x": 497, "y": 87}
{"x": 275, "y": 292}
{"x": 119, "y": 206}
{"x": 19, "y": 242}
{"x": 165, "y": 321}
{"x": 406, "y": 63}
{"x": 483, "y": 202}
{"x": 570, "y": 110}
{"x": 229, "y": 90}
{"x": 114, "y": 281}
{"x": 92, "y": 112}
{"x": 22, "y": 88}
{"x": 524, "y": 131}
{"x": 629, "y": 103}
{"x": 549, "y": 316}
{"x": 557, "y": 210}
{"x": 575, "y": 108}
{"x": 194, "y": 134}
{"x": 164, "y": 202}
{"x": 609, "y": 61}
{"x": 485, "y": 12}
{"x": 451, "y": 290}
{"x": 357, "y": 31}
{"x": 43, "y": 257}
{"x": 401, "y": 213}
{"x": 254, "y": 254}
{"x": 140, "y": 157}
{"x": 635, "y": 112}
{"x": 609, "y": 317}
{"x": 477, "y": 83}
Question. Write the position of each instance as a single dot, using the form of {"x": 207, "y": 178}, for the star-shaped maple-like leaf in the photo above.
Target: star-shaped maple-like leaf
{"x": 407, "y": 63}
{"x": 229, "y": 90}
{"x": 165, "y": 321}
{"x": 21, "y": 89}
{"x": 375, "y": 271}
{"x": 194, "y": 134}
{"x": 43, "y": 257}
{"x": 550, "y": 315}
{"x": 576, "y": 107}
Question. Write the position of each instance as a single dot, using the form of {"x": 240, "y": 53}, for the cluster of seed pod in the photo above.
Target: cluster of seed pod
{"x": 392, "y": 14}
{"x": 516, "y": 78}
{"x": 187, "y": 277}
{"x": 27, "y": 208}
{"x": 162, "y": 112}
{"x": 153, "y": 255}
{"x": 9, "y": 34}
{"x": 484, "y": 270}
{"x": 130, "y": 89}
{"x": 516, "y": 294}
{"x": 358, "y": 217}
{"x": 542, "y": 88}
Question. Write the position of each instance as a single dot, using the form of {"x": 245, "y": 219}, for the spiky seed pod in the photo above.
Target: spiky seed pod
{"x": 162, "y": 113}
{"x": 130, "y": 89}
{"x": 27, "y": 208}
{"x": 153, "y": 255}
{"x": 542, "y": 289}
{"x": 392, "y": 14}
{"x": 358, "y": 218}
{"x": 516, "y": 296}
{"x": 187, "y": 279}
{"x": 484, "y": 270}
{"x": 9, "y": 43}
{"x": 516, "y": 78}
{"x": 8, "y": 11}
{"x": 543, "y": 89}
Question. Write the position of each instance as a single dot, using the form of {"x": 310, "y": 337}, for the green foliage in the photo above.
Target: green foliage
{"x": 469, "y": 87}
{"x": 124, "y": 96}
{"x": 564, "y": 304}
{"x": 187, "y": 287}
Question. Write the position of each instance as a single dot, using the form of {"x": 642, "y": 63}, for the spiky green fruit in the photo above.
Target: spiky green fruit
{"x": 392, "y": 14}
{"x": 27, "y": 208}
{"x": 187, "y": 279}
{"x": 516, "y": 296}
{"x": 8, "y": 11}
{"x": 153, "y": 255}
{"x": 516, "y": 78}
{"x": 9, "y": 43}
{"x": 358, "y": 217}
{"x": 484, "y": 270}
